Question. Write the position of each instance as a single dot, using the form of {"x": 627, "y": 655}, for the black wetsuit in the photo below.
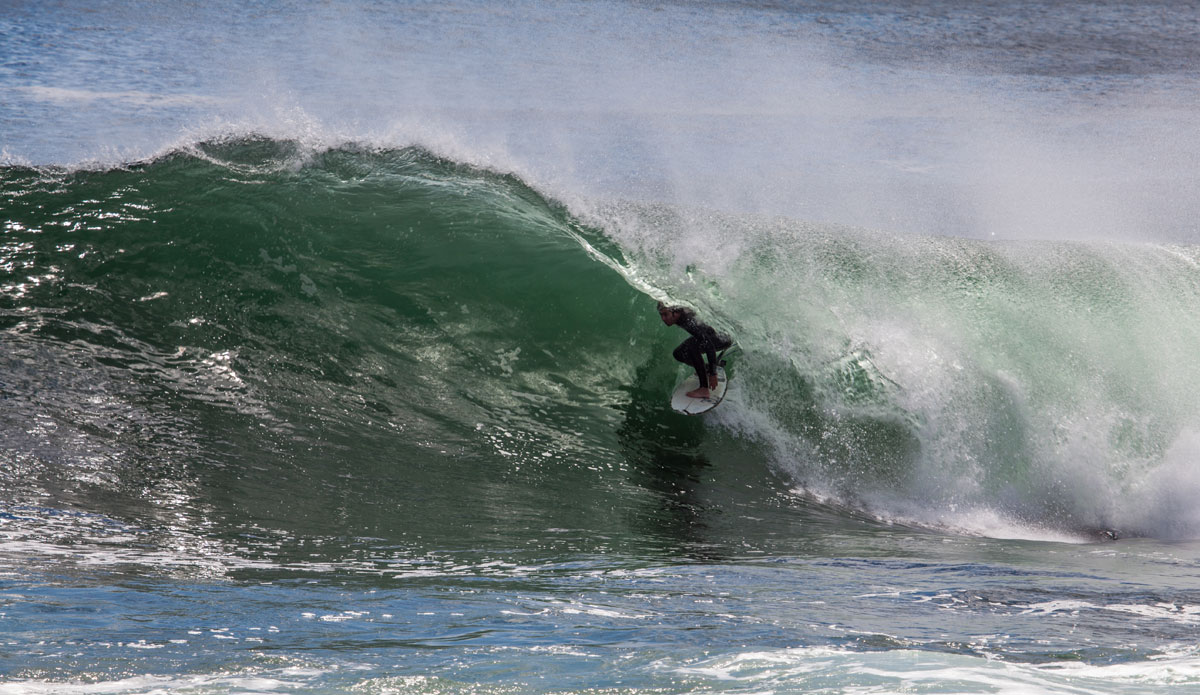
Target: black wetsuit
{"x": 704, "y": 341}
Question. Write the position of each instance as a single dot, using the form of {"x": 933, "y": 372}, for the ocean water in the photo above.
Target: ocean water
{"x": 329, "y": 359}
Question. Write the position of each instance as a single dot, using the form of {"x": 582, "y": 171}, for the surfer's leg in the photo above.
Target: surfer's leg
{"x": 689, "y": 352}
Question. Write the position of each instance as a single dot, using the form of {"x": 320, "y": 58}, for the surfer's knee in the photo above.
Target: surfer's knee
{"x": 687, "y": 352}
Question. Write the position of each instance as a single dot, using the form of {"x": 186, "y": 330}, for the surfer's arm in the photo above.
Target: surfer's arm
{"x": 710, "y": 349}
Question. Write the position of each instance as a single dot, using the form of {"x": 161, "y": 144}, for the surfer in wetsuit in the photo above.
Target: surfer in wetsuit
{"x": 704, "y": 341}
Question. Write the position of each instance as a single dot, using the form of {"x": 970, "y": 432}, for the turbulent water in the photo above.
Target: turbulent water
{"x": 330, "y": 359}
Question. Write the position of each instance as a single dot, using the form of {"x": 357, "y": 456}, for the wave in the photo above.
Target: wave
{"x": 411, "y": 347}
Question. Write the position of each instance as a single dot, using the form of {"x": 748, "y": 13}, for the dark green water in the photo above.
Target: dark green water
{"x": 382, "y": 340}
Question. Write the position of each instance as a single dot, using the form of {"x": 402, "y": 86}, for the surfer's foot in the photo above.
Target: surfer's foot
{"x": 698, "y": 393}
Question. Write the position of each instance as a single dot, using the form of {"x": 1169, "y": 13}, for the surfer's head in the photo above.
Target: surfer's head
{"x": 670, "y": 315}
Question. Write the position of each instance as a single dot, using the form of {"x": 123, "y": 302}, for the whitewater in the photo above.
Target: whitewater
{"x": 329, "y": 358}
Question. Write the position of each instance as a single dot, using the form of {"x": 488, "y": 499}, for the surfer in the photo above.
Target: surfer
{"x": 704, "y": 340}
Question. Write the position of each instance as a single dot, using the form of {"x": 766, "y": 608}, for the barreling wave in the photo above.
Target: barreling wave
{"x": 368, "y": 329}
{"x": 1027, "y": 388}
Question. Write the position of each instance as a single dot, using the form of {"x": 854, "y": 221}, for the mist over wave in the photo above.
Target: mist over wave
{"x": 937, "y": 120}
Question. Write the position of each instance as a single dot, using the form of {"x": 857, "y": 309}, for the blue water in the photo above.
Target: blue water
{"x": 329, "y": 359}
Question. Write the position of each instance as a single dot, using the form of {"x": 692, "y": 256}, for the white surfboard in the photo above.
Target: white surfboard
{"x": 694, "y": 406}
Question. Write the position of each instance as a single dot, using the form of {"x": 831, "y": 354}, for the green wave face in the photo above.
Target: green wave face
{"x": 274, "y": 322}
{"x": 405, "y": 346}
